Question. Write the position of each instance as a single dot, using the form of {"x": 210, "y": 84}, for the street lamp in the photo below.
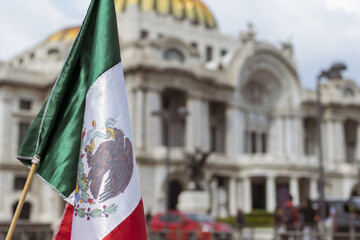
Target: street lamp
{"x": 333, "y": 73}
{"x": 169, "y": 115}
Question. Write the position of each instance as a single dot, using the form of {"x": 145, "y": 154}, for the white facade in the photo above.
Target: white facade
{"x": 246, "y": 104}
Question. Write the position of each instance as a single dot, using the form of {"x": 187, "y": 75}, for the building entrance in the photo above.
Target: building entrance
{"x": 258, "y": 193}
{"x": 175, "y": 190}
{"x": 282, "y": 193}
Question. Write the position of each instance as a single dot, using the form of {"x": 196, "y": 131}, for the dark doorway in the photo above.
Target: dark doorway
{"x": 282, "y": 193}
{"x": 258, "y": 194}
{"x": 175, "y": 190}
{"x": 304, "y": 189}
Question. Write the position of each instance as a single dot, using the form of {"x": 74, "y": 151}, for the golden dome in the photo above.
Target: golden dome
{"x": 67, "y": 34}
{"x": 193, "y": 10}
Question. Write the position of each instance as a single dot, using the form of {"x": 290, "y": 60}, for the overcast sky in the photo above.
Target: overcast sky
{"x": 321, "y": 31}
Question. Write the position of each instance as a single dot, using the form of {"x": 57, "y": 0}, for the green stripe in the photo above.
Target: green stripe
{"x": 95, "y": 50}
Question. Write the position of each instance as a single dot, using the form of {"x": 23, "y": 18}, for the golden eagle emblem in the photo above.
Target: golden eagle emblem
{"x": 112, "y": 159}
{"x": 114, "y": 156}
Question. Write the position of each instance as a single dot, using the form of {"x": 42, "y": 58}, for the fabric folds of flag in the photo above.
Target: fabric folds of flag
{"x": 83, "y": 138}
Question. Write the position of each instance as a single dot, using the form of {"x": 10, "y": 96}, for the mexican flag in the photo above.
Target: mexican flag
{"x": 82, "y": 137}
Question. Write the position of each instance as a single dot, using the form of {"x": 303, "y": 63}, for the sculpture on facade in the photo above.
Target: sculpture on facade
{"x": 196, "y": 163}
{"x": 335, "y": 71}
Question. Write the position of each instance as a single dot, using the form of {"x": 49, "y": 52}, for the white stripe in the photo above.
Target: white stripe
{"x": 107, "y": 99}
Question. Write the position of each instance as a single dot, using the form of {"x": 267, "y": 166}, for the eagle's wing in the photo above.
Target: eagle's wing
{"x": 120, "y": 173}
{"x": 99, "y": 167}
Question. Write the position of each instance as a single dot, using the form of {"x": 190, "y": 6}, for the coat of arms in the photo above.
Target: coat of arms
{"x": 112, "y": 159}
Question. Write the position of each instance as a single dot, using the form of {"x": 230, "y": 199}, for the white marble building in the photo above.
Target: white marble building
{"x": 245, "y": 100}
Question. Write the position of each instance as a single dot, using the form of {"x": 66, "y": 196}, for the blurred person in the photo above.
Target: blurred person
{"x": 290, "y": 216}
{"x": 148, "y": 217}
{"x": 330, "y": 224}
{"x": 240, "y": 222}
{"x": 278, "y": 223}
{"x": 307, "y": 219}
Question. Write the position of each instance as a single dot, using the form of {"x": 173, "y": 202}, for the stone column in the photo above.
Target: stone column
{"x": 358, "y": 142}
{"x": 340, "y": 143}
{"x": 139, "y": 118}
{"x": 247, "y": 194}
{"x": 158, "y": 201}
{"x": 232, "y": 143}
{"x": 239, "y": 194}
{"x": 223, "y": 197}
{"x": 205, "y": 127}
{"x": 276, "y": 136}
{"x": 289, "y": 136}
{"x": 294, "y": 190}
{"x": 330, "y": 141}
{"x": 232, "y": 196}
{"x": 314, "y": 191}
{"x": 193, "y": 125}
{"x": 270, "y": 194}
{"x": 299, "y": 137}
{"x": 272, "y": 136}
{"x": 153, "y": 124}
{"x": 3, "y": 126}
{"x": 214, "y": 198}
{"x": 282, "y": 135}
{"x": 10, "y": 129}
{"x": 241, "y": 132}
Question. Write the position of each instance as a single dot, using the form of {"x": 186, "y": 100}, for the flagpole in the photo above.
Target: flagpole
{"x": 21, "y": 201}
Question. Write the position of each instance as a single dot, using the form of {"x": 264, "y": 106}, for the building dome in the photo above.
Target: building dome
{"x": 193, "y": 10}
{"x": 67, "y": 34}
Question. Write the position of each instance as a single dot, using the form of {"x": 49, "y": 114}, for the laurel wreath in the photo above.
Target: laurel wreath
{"x": 95, "y": 213}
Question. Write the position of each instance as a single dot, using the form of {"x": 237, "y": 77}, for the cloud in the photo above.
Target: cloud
{"x": 25, "y": 23}
{"x": 347, "y": 6}
{"x": 321, "y": 31}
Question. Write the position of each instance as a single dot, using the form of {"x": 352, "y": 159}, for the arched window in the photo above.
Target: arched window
{"x": 257, "y": 118}
{"x": 256, "y": 133}
{"x": 255, "y": 93}
{"x": 174, "y": 54}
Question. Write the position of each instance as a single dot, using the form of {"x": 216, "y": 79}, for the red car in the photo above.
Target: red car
{"x": 175, "y": 225}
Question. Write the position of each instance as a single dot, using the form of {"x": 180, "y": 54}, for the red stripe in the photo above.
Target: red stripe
{"x": 133, "y": 227}
{"x": 64, "y": 232}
